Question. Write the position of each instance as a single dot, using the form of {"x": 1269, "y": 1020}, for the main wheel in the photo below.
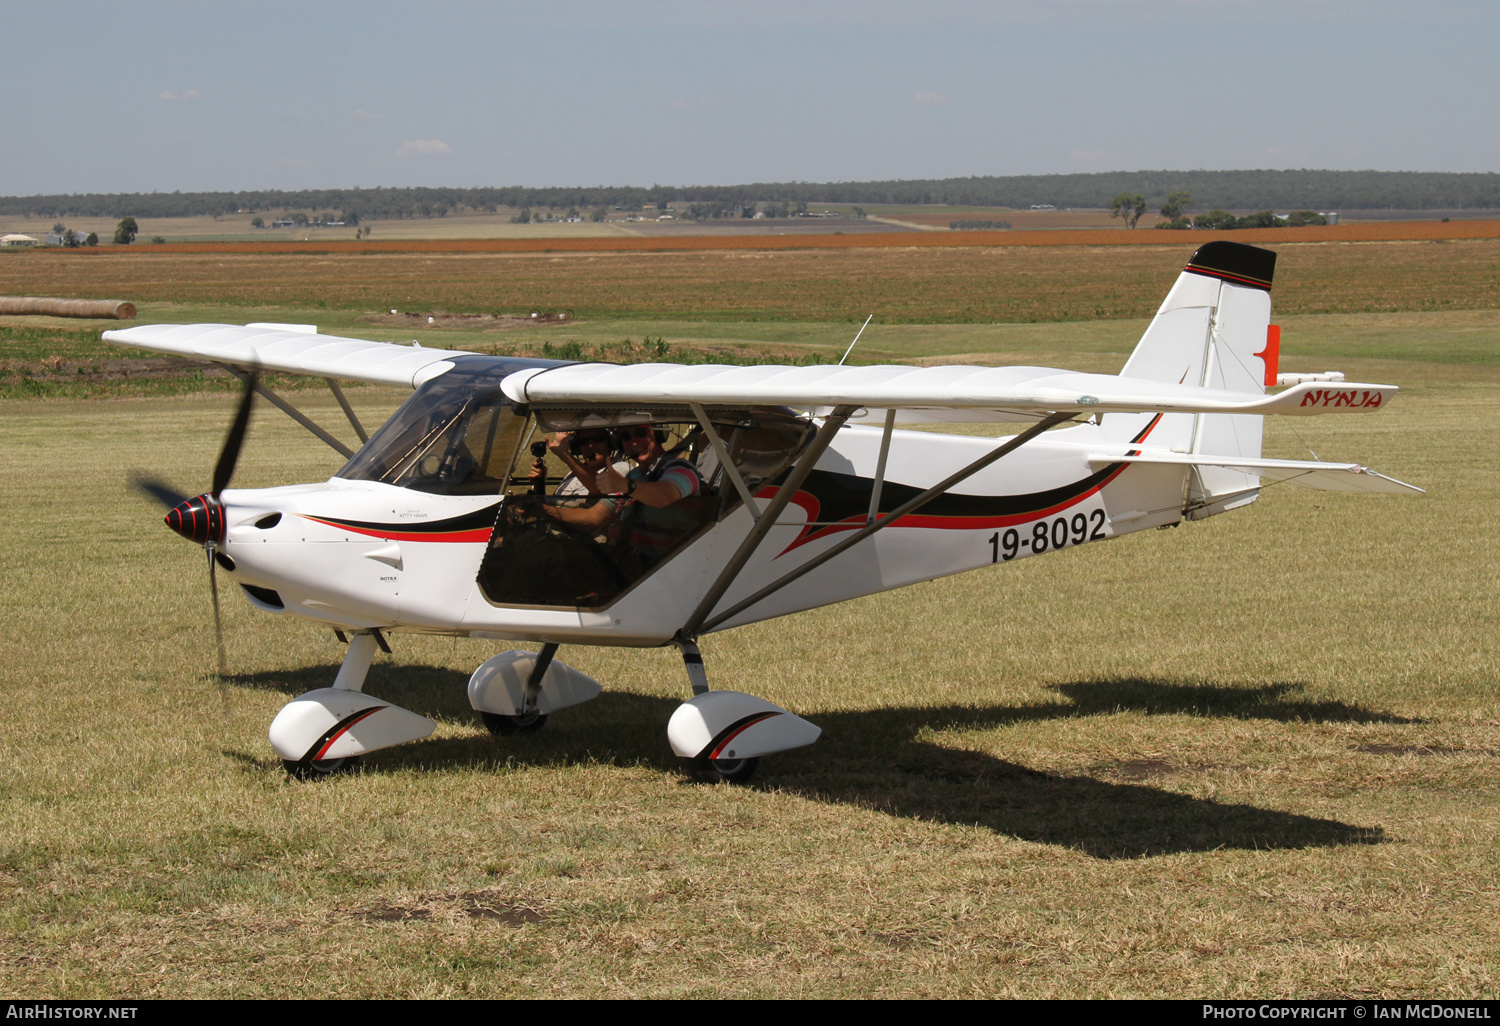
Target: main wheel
{"x": 728, "y": 771}
{"x": 501, "y": 725}
{"x": 320, "y": 769}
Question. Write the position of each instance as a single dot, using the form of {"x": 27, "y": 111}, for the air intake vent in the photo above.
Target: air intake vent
{"x": 263, "y": 596}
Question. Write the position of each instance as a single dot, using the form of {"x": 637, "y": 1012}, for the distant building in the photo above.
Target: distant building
{"x": 1043, "y": 206}
{"x": 17, "y": 240}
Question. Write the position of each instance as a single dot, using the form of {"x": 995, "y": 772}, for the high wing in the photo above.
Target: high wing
{"x": 1020, "y": 390}
{"x": 291, "y": 349}
{"x": 920, "y": 393}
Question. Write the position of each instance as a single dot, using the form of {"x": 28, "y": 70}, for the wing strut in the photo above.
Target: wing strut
{"x": 784, "y": 494}
{"x": 291, "y": 411}
{"x": 338, "y": 393}
{"x": 885, "y": 450}
{"x": 724, "y": 460}
{"x": 911, "y": 506}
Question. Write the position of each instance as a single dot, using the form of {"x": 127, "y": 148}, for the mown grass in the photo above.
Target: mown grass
{"x": 1253, "y": 757}
{"x": 1250, "y": 757}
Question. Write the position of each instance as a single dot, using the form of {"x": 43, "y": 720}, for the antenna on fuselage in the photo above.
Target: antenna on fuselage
{"x": 858, "y": 333}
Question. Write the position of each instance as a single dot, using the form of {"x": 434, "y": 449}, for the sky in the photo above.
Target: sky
{"x": 125, "y": 96}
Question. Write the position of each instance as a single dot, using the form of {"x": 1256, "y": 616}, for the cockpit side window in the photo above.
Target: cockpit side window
{"x": 560, "y": 544}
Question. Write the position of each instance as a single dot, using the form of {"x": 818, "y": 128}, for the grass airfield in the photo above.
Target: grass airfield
{"x": 1252, "y": 757}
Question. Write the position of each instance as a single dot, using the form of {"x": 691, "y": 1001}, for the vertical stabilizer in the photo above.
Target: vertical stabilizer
{"x": 1212, "y": 330}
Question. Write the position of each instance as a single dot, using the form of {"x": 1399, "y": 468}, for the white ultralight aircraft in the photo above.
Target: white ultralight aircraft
{"x": 808, "y": 495}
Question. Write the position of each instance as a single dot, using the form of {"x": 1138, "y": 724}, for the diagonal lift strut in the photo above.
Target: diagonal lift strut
{"x": 703, "y": 623}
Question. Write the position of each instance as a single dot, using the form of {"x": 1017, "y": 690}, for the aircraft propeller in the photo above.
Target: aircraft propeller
{"x": 201, "y": 517}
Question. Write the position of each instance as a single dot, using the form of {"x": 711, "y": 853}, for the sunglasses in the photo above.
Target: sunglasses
{"x": 637, "y": 432}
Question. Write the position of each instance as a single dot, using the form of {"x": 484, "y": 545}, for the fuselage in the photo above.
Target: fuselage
{"x": 361, "y": 554}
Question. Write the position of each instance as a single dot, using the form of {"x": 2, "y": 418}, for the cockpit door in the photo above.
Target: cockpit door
{"x": 535, "y": 560}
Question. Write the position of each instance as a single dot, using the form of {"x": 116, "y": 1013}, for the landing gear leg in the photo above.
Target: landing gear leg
{"x": 711, "y": 771}
{"x": 528, "y": 719}
{"x": 693, "y": 660}
{"x": 356, "y": 663}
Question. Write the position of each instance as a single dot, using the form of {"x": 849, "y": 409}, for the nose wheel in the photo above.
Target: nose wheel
{"x": 725, "y": 771}
{"x": 503, "y": 726}
{"x": 320, "y": 769}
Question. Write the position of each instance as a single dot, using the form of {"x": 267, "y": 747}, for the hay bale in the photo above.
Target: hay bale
{"x": 115, "y": 309}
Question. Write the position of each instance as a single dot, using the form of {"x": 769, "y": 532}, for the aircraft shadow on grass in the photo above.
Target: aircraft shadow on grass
{"x": 874, "y": 759}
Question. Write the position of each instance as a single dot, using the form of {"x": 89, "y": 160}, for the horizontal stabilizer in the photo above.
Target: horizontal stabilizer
{"x": 1328, "y": 477}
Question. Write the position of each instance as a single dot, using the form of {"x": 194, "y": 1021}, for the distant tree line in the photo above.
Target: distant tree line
{"x": 1227, "y": 190}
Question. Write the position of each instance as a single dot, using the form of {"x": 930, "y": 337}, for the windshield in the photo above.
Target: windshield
{"x": 456, "y": 435}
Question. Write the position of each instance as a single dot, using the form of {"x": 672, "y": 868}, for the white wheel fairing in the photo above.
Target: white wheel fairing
{"x": 733, "y": 725}
{"x": 499, "y": 685}
{"x": 332, "y": 723}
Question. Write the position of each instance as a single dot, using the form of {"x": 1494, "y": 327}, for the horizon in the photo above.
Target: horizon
{"x": 656, "y": 186}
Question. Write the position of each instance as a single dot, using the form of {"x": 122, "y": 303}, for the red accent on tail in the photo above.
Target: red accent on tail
{"x": 1271, "y": 355}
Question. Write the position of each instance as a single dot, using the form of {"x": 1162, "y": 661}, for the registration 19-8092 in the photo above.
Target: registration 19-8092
{"x": 1047, "y": 534}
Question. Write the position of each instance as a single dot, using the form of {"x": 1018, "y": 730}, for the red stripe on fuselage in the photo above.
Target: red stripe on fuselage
{"x": 811, "y": 504}
{"x": 940, "y": 523}
{"x": 394, "y": 533}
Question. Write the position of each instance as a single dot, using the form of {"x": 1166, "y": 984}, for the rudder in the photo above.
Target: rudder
{"x": 1213, "y": 330}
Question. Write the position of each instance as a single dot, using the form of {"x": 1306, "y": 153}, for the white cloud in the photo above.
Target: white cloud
{"x": 364, "y": 115}
{"x": 929, "y": 98}
{"x": 423, "y": 147}
{"x": 171, "y": 94}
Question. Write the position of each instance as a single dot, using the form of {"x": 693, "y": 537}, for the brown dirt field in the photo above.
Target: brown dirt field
{"x": 910, "y": 284}
{"x": 1376, "y": 231}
